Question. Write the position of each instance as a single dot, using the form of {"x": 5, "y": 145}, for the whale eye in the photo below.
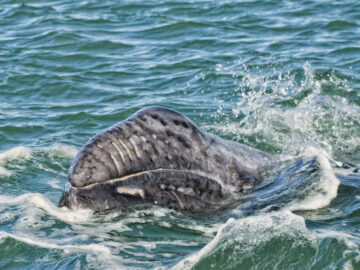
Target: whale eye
{"x": 176, "y": 122}
{"x": 154, "y": 116}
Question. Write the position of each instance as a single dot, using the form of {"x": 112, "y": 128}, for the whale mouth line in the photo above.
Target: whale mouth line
{"x": 159, "y": 171}
{"x": 187, "y": 189}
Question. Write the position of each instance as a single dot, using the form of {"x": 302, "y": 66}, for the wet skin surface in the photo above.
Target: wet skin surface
{"x": 158, "y": 156}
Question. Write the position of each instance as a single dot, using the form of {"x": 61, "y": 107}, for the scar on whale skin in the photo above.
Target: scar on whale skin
{"x": 159, "y": 156}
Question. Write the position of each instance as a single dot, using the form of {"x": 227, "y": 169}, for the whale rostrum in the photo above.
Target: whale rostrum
{"x": 159, "y": 156}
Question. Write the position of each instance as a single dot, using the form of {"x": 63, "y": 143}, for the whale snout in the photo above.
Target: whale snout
{"x": 65, "y": 197}
{"x": 90, "y": 166}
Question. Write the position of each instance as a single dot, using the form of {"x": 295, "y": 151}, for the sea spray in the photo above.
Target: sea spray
{"x": 321, "y": 192}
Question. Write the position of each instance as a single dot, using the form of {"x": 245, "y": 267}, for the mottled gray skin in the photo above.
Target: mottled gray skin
{"x": 158, "y": 156}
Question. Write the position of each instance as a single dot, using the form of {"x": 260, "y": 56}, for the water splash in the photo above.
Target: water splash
{"x": 274, "y": 110}
{"x": 321, "y": 192}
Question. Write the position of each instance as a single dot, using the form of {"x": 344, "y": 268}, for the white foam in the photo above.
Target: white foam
{"x": 13, "y": 200}
{"x": 16, "y": 153}
{"x": 62, "y": 151}
{"x": 330, "y": 120}
{"x": 78, "y": 216}
{"x": 352, "y": 251}
{"x": 251, "y": 230}
{"x": 153, "y": 211}
{"x": 323, "y": 191}
{"x": 35, "y": 216}
{"x": 39, "y": 201}
{"x": 346, "y": 238}
{"x": 7, "y": 216}
{"x": 190, "y": 261}
{"x": 97, "y": 249}
{"x": 54, "y": 183}
{"x": 4, "y": 172}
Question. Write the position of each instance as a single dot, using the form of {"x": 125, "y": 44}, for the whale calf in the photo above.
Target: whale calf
{"x": 159, "y": 156}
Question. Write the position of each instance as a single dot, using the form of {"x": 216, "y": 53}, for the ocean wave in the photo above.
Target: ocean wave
{"x": 16, "y": 153}
{"x": 321, "y": 193}
{"x": 13, "y": 159}
{"x": 62, "y": 151}
{"x": 281, "y": 238}
{"x": 244, "y": 235}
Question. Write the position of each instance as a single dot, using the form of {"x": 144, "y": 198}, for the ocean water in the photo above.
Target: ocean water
{"x": 278, "y": 75}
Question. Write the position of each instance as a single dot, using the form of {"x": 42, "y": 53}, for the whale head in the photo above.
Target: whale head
{"x": 159, "y": 156}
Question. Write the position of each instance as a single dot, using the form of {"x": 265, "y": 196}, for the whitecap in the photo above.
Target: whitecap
{"x": 323, "y": 191}
{"x": 14, "y": 154}
{"x": 62, "y": 151}
{"x": 39, "y": 201}
{"x": 251, "y": 230}
{"x": 97, "y": 254}
{"x": 54, "y": 183}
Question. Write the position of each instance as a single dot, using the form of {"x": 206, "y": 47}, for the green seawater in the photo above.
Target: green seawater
{"x": 278, "y": 75}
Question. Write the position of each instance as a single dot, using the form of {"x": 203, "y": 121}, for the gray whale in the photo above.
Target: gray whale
{"x": 159, "y": 156}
